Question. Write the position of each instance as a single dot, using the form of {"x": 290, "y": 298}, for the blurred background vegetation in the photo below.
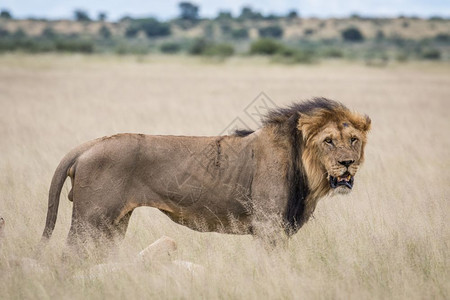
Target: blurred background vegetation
{"x": 287, "y": 38}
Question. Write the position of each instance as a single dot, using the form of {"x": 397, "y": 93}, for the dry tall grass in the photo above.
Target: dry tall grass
{"x": 388, "y": 239}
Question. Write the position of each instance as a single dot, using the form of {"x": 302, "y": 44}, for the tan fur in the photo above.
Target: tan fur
{"x": 231, "y": 184}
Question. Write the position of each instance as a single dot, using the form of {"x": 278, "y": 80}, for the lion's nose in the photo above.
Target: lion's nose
{"x": 346, "y": 163}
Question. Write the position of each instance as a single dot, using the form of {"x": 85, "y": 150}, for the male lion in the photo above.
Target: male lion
{"x": 249, "y": 182}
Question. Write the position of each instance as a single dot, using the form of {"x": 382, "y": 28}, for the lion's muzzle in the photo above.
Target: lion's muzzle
{"x": 345, "y": 179}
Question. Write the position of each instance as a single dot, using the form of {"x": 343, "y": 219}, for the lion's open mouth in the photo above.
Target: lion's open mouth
{"x": 345, "y": 179}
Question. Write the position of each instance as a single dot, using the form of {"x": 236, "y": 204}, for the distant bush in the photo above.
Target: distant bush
{"x": 104, "y": 32}
{"x": 432, "y": 54}
{"x": 185, "y": 24}
{"x": 352, "y": 34}
{"x": 436, "y": 18}
{"x": 129, "y": 48}
{"x": 73, "y": 35}
{"x": 83, "y": 46}
{"x": 442, "y": 37}
{"x": 188, "y": 11}
{"x": 7, "y": 44}
{"x": 125, "y": 18}
{"x": 48, "y": 33}
{"x": 198, "y": 47}
{"x": 265, "y": 47}
{"x": 37, "y": 19}
{"x": 203, "y": 47}
{"x": 280, "y": 52}
{"x": 5, "y": 14}
{"x": 398, "y": 41}
{"x": 271, "y": 17}
{"x": 333, "y": 53}
{"x": 402, "y": 56}
{"x": 151, "y": 27}
{"x": 131, "y": 31}
{"x": 3, "y": 32}
{"x": 292, "y": 14}
{"x": 291, "y": 55}
{"x": 308, "y": 31}
{"x": 39, "y": 45}
{"x": 102, "y": 16}
{"x": 27, "y": 45}
{"x": 170, "y": 47}
{"x": 239, "y": 34}
{"x": 247, "y": 13}
{"x": 221, "y": 50}
{"x": 225, "y": 27}
{"x": 208, "y": 30}
{"x": 19, "y": 34}
{"x": 154, "y": 28}
{"x": 273, "y": 31}
{"x": 224, "y": 15}
{"x": 379, "y": 35}
{"x": 81, "y": 16}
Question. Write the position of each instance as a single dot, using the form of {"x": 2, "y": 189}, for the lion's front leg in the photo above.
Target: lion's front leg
{"x": 267, "y": 227}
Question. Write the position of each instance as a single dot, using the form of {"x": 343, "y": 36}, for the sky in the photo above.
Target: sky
{"x": 167, "y": 9}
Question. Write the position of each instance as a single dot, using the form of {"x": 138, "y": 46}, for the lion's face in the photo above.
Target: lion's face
{"x": 340, "y": 148}
{"x": 334, "y": 148}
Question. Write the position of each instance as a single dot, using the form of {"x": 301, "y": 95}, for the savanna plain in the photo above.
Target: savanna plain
{"x": 389, "y": 238}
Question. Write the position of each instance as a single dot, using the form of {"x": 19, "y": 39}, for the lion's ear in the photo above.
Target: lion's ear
{"x": 362, "y": 122}
{"x": 368, "y": 123}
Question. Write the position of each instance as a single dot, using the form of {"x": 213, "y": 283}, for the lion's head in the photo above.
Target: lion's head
{"x": 326, "y": 143}
{"x": 334, "y": 139}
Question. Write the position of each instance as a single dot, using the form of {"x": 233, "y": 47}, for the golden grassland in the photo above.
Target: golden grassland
{"x": 388, "y": 239}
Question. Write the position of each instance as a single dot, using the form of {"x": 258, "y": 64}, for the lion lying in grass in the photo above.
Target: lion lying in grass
{"x": 259, "y": 182}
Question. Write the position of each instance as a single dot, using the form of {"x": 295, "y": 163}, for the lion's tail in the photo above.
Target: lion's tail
{"x": 61, "y": 173}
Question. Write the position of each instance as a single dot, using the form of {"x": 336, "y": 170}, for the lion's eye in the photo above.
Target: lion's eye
{"x": 353, "y": 140}
{"x": 328, "y": 141}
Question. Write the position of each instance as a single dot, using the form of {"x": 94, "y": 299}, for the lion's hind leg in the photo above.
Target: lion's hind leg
{"x": 96, "y": 230}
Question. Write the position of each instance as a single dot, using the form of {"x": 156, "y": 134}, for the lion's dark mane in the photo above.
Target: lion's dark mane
{"x": 286, "y": 120}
